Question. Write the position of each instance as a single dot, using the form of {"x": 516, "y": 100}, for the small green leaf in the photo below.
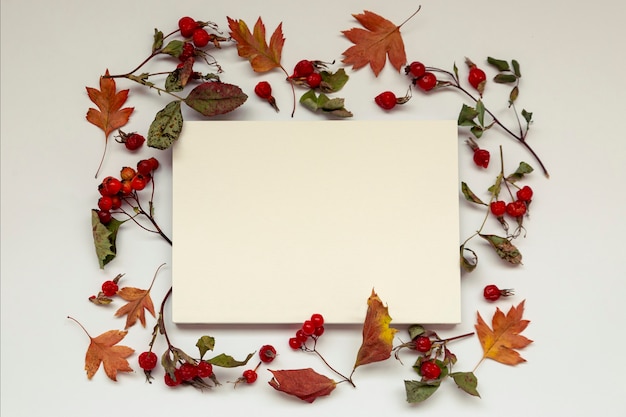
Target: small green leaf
{"x": 157, "y": 43}
{"x": 227, "y": 361}
{"x": 204, "y": 344}
{"x": 418, "y": 391}
{"x": 104, "y": 237}
{"x": 166, "y": 126}
{"x": 173, "y": 48}
{"x": 469, "y": 194}
{"x": 214, "y": 98}
{"x": 477, "y": 131}
{"x": 455, "y": 69}
{"x": 519, "y": 173}
{"x": 334, "y": 106}
{"x": 467, "y": 264}
{"x": 505, "y": 78}
{"x": 513, "y": 95}
{"x": 516, "y": 70}
{"x": 333, "y": 82}
{"x": 500, "y": 64}
{"x": 416, "y": 330}
{"x": 480, "y": 108}
{"x": 495, "y": 188}
{"x": 504, "y": 248}
{"x": 467, "y": 381}
{"x": 527, "y": 116}
{"x": 467, "y": 116}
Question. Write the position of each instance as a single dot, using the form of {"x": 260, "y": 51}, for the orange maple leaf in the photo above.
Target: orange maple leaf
{"x": 110, "y": 115}
{"x": 138, "y": 302}
{"x": 377, "y": 335}
{"x": 252, "y": 46}
{"x": 372, "y": 46}
{"x": 500, "y": 343}
{"x": 104, "y": 349}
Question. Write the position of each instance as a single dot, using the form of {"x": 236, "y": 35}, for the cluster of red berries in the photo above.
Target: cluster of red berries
{"x": 306, "y": 72}
{"x": 185, "y": 372}
{"x": 493, "y": 293}
{"x": 314, "y": 328}
{"x": 113, "y": 190}
{"x": 428, "y": 368}
{"x": 515, "y": 208}
{"x": 422, "y": 78}
{"x": 190, "y": 28}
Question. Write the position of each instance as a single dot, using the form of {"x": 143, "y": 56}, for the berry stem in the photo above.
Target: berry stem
{"x": 314, "y": 350}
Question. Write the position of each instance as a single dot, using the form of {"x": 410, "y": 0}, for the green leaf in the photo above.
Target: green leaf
{"x": 513, "y": 95}
{"x": 504, "y": 248}
{"x": 418, "y": 391}
{"x": 227, "y": 361}
{"x": 455, "y": 69}
{"x": 505, "y": 78}
{"x": 519, "y": 173}
{"x": 323, "y": 103}
{"x": 104, "y": 237}
{"x": 469, "y": 194}
{"x": 527, "y": 115}
{"x": 173, "y": 48}
{"x": 480, "y": 108}
{"x": 166, "y": 126}
{"x": 516, "y": 70}
{"x": 467, "y": 116}
{"x": 204, "y": 344}
{"x": 333, "y": 82}
{"x": 157, "y": 43}
{"x": 173, "y": 81}
{"x": 467, "y": 381}
{"x": 214, "y": 98}
{"x": 477, "y": 131}
{"x": 416, "y": 330}
{"x": 500, "y": 64}
{"x": 495, "y": 188}
{"x": 467, "y": 264}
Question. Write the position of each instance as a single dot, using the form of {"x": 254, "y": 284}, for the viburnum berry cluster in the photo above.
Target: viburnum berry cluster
{"x": 311, "y": 329}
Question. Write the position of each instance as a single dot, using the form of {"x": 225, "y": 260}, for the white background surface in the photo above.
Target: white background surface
{"x": 572, "y": 62}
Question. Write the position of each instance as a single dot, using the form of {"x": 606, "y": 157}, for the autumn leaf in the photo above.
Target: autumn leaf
{"x": 500, "y": 342}
{"x": 104, "y": 350}
{"x": 253, "y": 46}
{"x": 305, "y": 384}
{"x": 138, "y": 302}
{"x": 377, "y": 335}
{"x": 104, "y": 238}
{"x": 110, "y": 115}
{"x": 372, "y": 45}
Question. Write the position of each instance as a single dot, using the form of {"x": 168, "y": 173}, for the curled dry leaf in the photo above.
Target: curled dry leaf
{"x": 377, "y": 335}
{"x": 253, "y": 47}
{"x": 305, "y": 384}
{"x": 138, "y": 302}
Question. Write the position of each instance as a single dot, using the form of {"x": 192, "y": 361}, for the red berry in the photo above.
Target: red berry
{"x": 188, "y": 52}
{"x": 430, "y": 370}
{"x": 317, "y": 320}
{"x": 492, "y": 292}
{"x": 476, "y": 76}
{"x": 482, "y": 157}
{"x": 105, "y": 203}
{"x": 301, "y": 336}
{"x": 295, "y": 343}
{"x": 516, "y": 209}
{"x": 422, "y": 344}
{"x": 187, "y": 26}
{"x": 117, "y": 201}
{"x": 267, "y": 353}
{"x": 104, "y": 216}
{"x": 205, "y": 369}
{"x": 308, "y": 328}
{"x": 188, "y": 371}
{"x": 386, "y": 100}
{"x": 109, "y": 288}
{"x": 126, "y": 188}
{"x": 127, "y": 173}
{"x": 154, "y": 163}
{"x": 416, "y": 69}
{"x": 263, "y": 89}
{"x": 250, "y": 375}
{"x": 134, "y": 141}
{"x": 318, "y": 331}
{"x": 147, "y": 361}
{"x": 138, "y": 182}
{"x": 525, "y": 193}
{"x": 498, "y": 208}
{"x": 314, "y": 80}
{"x": 201, "y": 38}
{"x": 112, "y": 185}
{"x": 427, "y": 82}
{"x": 173, "y": 382}
{"x": 303, "y": 69}
{"x": 144, "y": 167}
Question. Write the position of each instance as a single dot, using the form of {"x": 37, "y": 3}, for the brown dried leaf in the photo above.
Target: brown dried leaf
{"x": 254, "y": 48}
{"x": 103, "y": 349}
{"x": 138, "y": 302}
{"x": 305, "y": 384}
{"x": 377, "y": 335}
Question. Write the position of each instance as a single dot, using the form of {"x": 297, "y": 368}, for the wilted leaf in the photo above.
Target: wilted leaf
{"x": 173, "y": 48}
{"x": 469, "y": 194}
{"x": 527, "y": 116}
{"x": 166, "y": 126}
{"x": 519, "y": 173}
{"x": 204, "y": 344}
{"x": 505, "y": 78}
{"x": 333, "y": 81}
{"x": 516, "y": 69}
{"x": 500, "y": 64}
{"x": 416, "y": 330}
{"x": 466, "y": 263}
{"x": 467, "y": 381}
{"x": 254, "y": 48}
{"x": 305, "y": 384}
{"x": 504, "y": 248}
{"x": 377, "y": 335}
{"x": 501, "y": 342}
{"x": 514, "y": 94}
{"x": 324, "y": 104}
{"x": 467, "y": 116}
{"x": 104, "y": 237}
{"x": 138, "y": 302}
{"x": 178, "y": 79}
{"x": 157, "y": 42}
{"x": 226, "y": 361}
{"x": 418, "y": 391}
{"x": 213, "y": 98}
{"x": 104, "y": 350}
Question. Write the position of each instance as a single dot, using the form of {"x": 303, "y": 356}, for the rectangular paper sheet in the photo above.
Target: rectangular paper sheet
{"x": 274, "y": 221}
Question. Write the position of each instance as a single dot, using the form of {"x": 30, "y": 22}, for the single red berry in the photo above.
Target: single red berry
{"x": 188, "y": 52}
{"x": 205, "y": 369}
{"x": 109, "y": 288}
{"x": 476, "y": 76}
{"x": 105, "y": 203}
{"x": 525, "y": 193}
{"x": 430, "y": 370}
{"x": 147, "y": 361}
{"x": 516, "y": 208}
{"x": 104, "y": 216}
{"x": 308, "y": 328}
{"x": 112, "y": 185}
{"x": 134, "y": 141}
{"x": 301, "y": 336}
{"x": 173, "y": 382}
{"x": 144, "y": 167}
{"x": 303, "y": 69}
{"x": 498, "y": 208}
{"x": 250, "y": 375}
{"x": 116, "y": 200}
{"x": 267, "y": 353}
{"x": 416, "y": 69}
{"x": 422, "y": 344}
{"x": 386, "y": 100}
{"x": 427, "y": 82}
{"x": 295, "y": 343}
{"x": 188, "y": 371}
{"x": 318, "y": 331}
{"x": 126, "y": 188}
{"x": 127, "y": 173}
{"x": 493, "y": 293}
{"x": 187, "y": 26}
{"x": 201, "y": 38}
{"x": 317, "y": 320}
{"x": 102, "y": 190}
{"x": 138, "y": 182}
{"x": 314, "y": 80}
{"x": 263, "y": 89}
{"x": 482, "y": 157}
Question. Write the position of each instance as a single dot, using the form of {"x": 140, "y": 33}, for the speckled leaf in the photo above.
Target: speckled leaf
{"x": 166, "y": 126}
{"x": 418, "y": 391}
{"x": 333, "y": 81}
{"x": 469, "y": 194}
{"x": 467, "y": 381}
{"x": 104, "y": 237}
{"x": 323, "y": 103}
{"x": 466, "y": 263}
{"x": 227, "y": 361}
{"x": 213, "y": 98}
{"x": 504, "y": 248}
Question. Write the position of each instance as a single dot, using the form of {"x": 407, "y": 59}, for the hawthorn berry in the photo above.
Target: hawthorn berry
{"x": 187, "y": 26}
{"x": 112, "y": 185}
{"x": 154, "y": 163}
{"x": 250, "y": 375}
{"x": 525, "y": 193}
{"x": 267, "y": 353}
{"x": 205, "y": 369}
{"x": 144, "y": 167}
{"x": 127, "y": 173}
{"x": 493, "y": 293}
{"x": 138, "y": 182}
{"x": 116, "y": 200}
{"x": 104, "y": 216}
{"x": 476, "y": 77}
{"x": 109, "y": 288}
{"x": 516, "y": 208}
{"x": 422, "y": 344}
{"x": 303, "y": 69}
{"x": 498, "y": 208}
{"x": 105, "y": 203}
{"x": 386, "y": 100}
{"x": 201, "y": 38}
{"x": 482, "y": 157}
{"x": 147, "y": 361}
{"x": 416, "y": 69}
{"x": 188, "y": 371}
{"x": 133, "y": 141}
{"x": 301, "y": 336}
{"x": 427, "y": 82}
{"x": 126, "y": 187}
{"x": 430, "y": 370}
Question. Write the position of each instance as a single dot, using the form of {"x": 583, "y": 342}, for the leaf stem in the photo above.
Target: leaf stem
{"x": 410, "y": 17}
